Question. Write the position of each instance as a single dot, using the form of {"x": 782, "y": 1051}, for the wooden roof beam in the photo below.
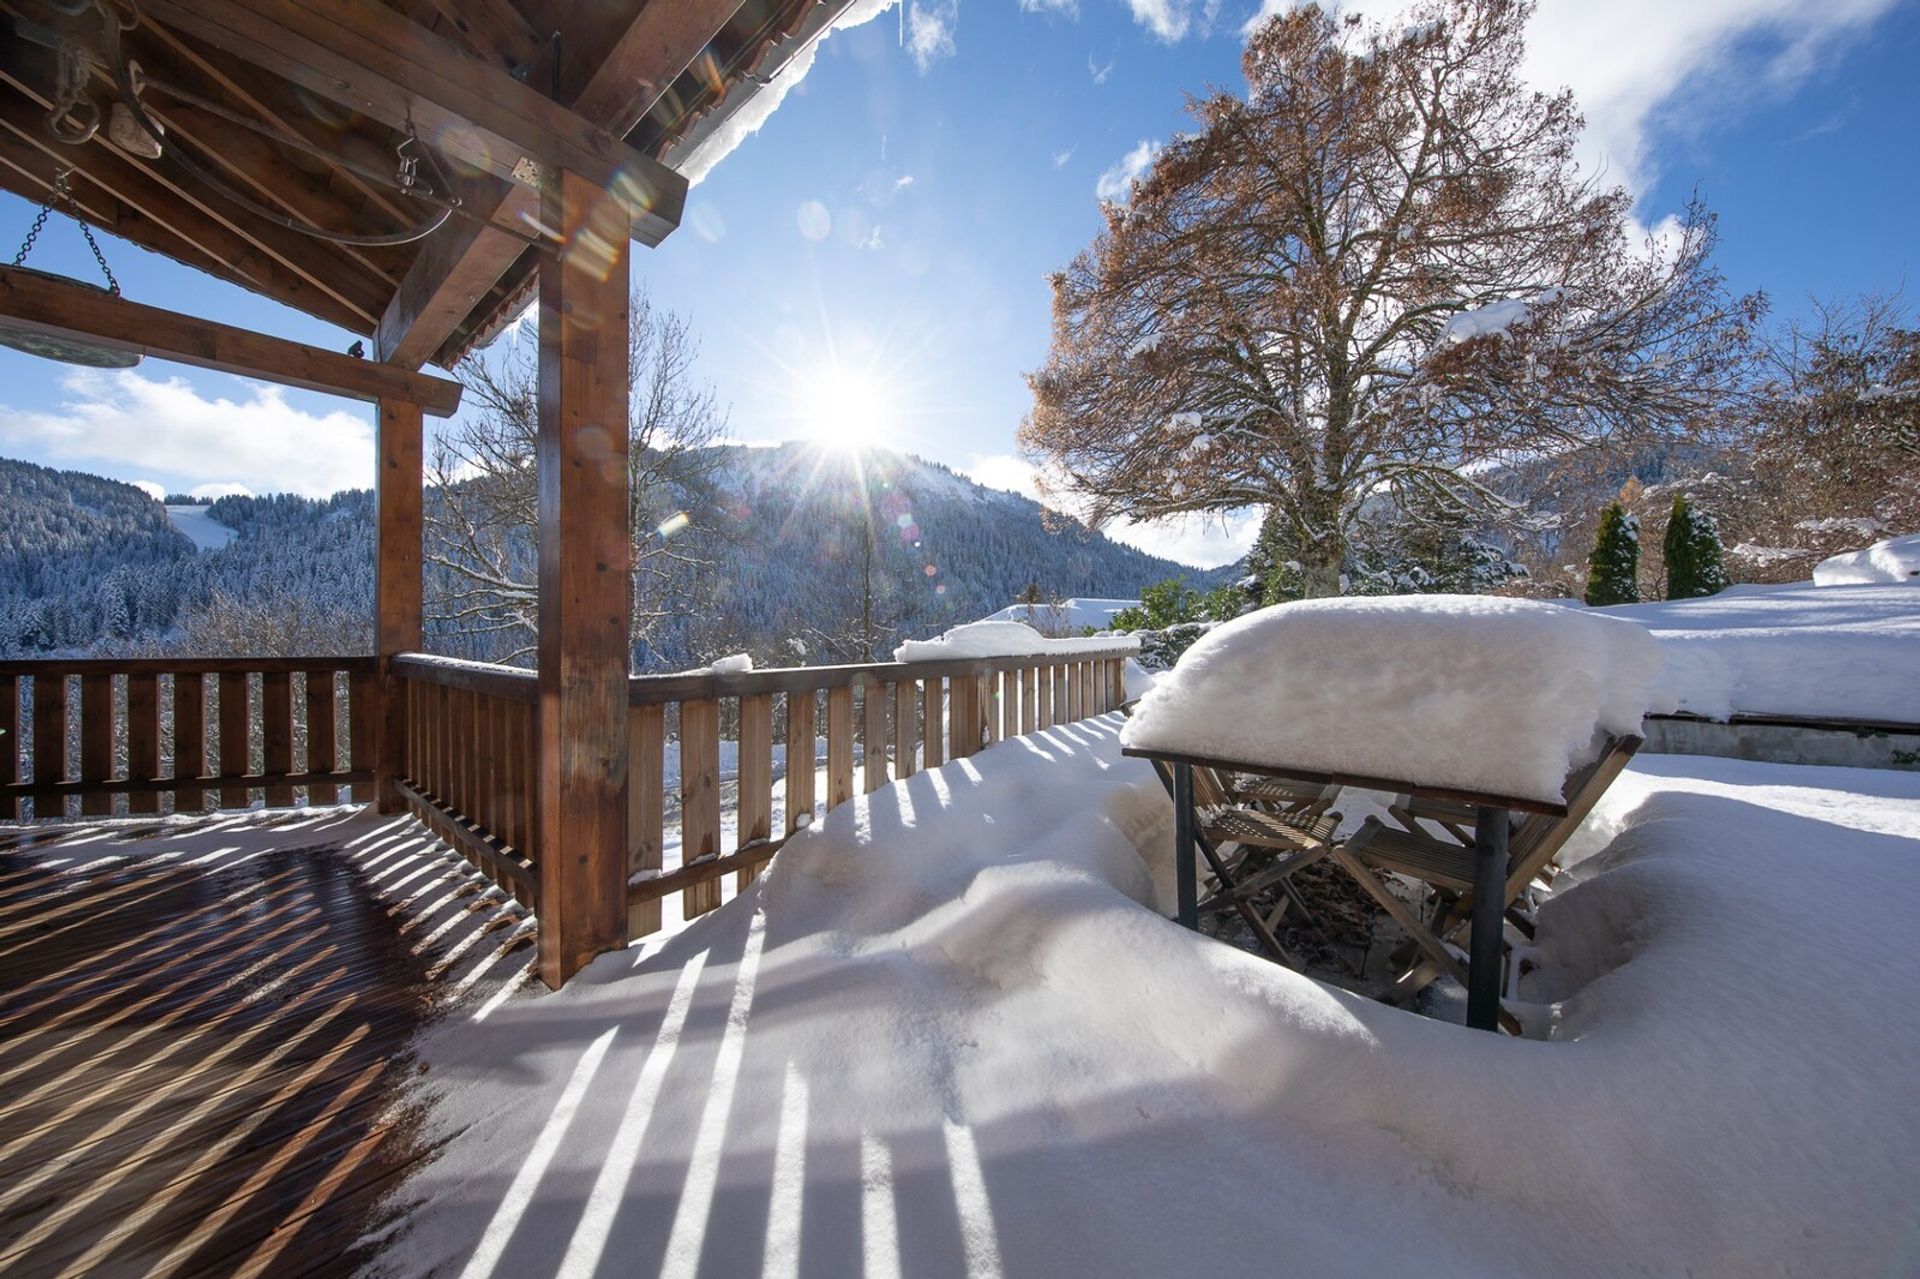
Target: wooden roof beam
{"x": 366, "y": 56}
{"x": 457, "y": 267}
{"x": 31, "y": 301}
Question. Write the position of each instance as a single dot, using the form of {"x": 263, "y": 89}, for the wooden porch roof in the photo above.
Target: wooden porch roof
{"x": 284, "y": 112}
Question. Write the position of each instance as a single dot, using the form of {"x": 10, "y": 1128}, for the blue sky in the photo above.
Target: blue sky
{"x": 886, "y": 236}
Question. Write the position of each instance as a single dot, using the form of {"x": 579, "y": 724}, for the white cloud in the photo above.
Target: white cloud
{"x": 1098, "y": 72}
{"x": 214, "y": 492}
{"x": 1168, "y": 19}
{"x": 1060, "y": 158}
{"x": 158, "y": 492}
{"x": 128, "y": 421}
{"x": 1117, "y": 181}
{"x": 1637, "y": 66}
{"x": 902, "y": 182}
{"x": 1202, "y": 541}
{"x": 1065, "y": 8}
{"x": 930, "y": 27}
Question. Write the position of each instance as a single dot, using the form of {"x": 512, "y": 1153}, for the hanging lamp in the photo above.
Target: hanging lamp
{"x": 68, "y": 350}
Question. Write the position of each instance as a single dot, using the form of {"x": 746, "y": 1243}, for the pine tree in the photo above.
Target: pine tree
{"x": 1693, "y": 553}
{"x": 1613, "y": 570}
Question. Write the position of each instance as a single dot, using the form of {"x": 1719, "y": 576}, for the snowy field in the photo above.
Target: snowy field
{"x": 951, "y": 1034}
{"x": 1835, "y": 652}
{"x": 205, "y": 532}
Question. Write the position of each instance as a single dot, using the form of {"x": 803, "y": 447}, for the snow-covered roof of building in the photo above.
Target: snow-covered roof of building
{"x": 1069, "y": 616}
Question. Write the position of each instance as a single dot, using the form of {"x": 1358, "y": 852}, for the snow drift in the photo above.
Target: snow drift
{"x": 1474, "y": 692}
{"x": 1897, "y": 559}
{"x": 951, "y": 1020}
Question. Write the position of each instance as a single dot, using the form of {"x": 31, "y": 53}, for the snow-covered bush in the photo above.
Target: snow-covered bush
{"x": 1613, "y": 570}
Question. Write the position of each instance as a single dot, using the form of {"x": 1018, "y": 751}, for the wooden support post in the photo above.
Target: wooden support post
{"x": 396, "y": 578}
{"x": 585, "y": 587}
{"x": 1489, "y": 909}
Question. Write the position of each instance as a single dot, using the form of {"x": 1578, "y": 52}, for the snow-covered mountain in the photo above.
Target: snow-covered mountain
{"x": 779, "y": 536}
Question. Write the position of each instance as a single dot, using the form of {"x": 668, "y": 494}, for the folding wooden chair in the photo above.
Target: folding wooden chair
{"x": 1447, "y": 864}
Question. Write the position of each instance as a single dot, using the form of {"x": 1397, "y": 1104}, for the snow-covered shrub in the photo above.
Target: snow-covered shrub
{"x": 1160, "y": 649}
{"x": 1693, "y": 553}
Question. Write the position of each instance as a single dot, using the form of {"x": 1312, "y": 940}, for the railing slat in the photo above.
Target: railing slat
{"x": 323, "y": 745}
{"x": 873, "y": 736}
{"x": 235, "y": 737}
{"x": 699, "y": 798}
{"x": 9, "y": 743}
{"x": 839, "y": 746}
{"x": 96, "y": 742}
{"x": 143, "y": 739}
{"x": 799, "y": 790}
{"x": 933, "y": 725}
{"x": 276, "y": 731}
{"x": 905, "y": 730}
{"x": 646, "y": 809}
{"x": 362, "y": 704}
{"x": 189, "y": 739}
{"x": 755, "y": 820}
{"x": 49, "y": 738}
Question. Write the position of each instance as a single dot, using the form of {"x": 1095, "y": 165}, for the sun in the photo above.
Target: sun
{"x": 845, "y": 408}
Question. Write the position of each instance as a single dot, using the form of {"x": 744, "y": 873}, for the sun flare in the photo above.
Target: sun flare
{"x": 845, "y": 408}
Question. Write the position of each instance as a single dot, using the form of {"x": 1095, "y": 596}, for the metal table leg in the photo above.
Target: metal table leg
{"x": 1186, "y": 886}
{"x": 1489, "y": 912}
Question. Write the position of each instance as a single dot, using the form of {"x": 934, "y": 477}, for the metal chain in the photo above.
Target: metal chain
{"x": 60, "y": 193}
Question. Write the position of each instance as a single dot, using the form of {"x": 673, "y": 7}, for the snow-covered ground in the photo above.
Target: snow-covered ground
{"x": 205, "y": 532}
{"x": 1834, "y": 652}
{"x": 1897, "y": 559}
{"x": 950, "y": 1033}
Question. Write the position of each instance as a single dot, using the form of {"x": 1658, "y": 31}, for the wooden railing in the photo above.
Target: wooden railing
{"x": 881, "y": 721}
{"x": 467, "y": 764}
{"x": 154, "y": 735}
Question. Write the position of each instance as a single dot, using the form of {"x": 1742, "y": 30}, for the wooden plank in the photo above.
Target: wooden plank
{"x": 799, "y": 793}
{"x": 906, "y": 739}
{"x": 276, "y": 731}
{"x": 962, "y": 716}
{"x": 167, "y": 785}
{"x": 585, "y": 582}
{"x": 460, "y": 262}
{"x": 993, "y": 725}
{"x": 699, "y": 800}
{"x": 1030, "y": 699}
{"x": 754, "y": 823}
{"x": 933, "y": 723}
{"x": 1070, "y": 672}
{"x": 646, "y": 808}
{"x": 323, "y": 743}
{"x": 839, "y": 746}
{"x": 169, "y": 665}
{"x": 235, "y": 737}
{"x": 48, "y": 306}
{"x": 49, "y": 736}
{"x": 1062, "y": 712}
{"x": 1043, "y": 690}
{"x": 793, "y": 679}
{"x": 363, "y": 704}
{"x": 143, "y": 739}
{"x": 366, "y": 56}
{"x": 9, "y": 743}
{"x": 873, "y": 736}
{"x": 697, "y": 876}
{"x": 189, "y": 738}
{"x": 397, "y": 580}
{"x": 96, "y": 742}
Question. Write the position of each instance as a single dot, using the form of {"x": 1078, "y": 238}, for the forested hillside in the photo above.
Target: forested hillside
{"x": 772, "y": 559}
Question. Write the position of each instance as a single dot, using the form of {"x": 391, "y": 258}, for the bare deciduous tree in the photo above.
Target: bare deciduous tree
{"x": 484, "y": 493}
{"x": 1376, "y": 274}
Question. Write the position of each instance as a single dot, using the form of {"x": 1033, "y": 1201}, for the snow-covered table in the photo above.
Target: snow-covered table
{"x": 1491, "y": 826}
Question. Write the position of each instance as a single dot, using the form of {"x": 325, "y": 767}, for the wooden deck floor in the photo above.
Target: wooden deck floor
{"x": 204, "y": 1036}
